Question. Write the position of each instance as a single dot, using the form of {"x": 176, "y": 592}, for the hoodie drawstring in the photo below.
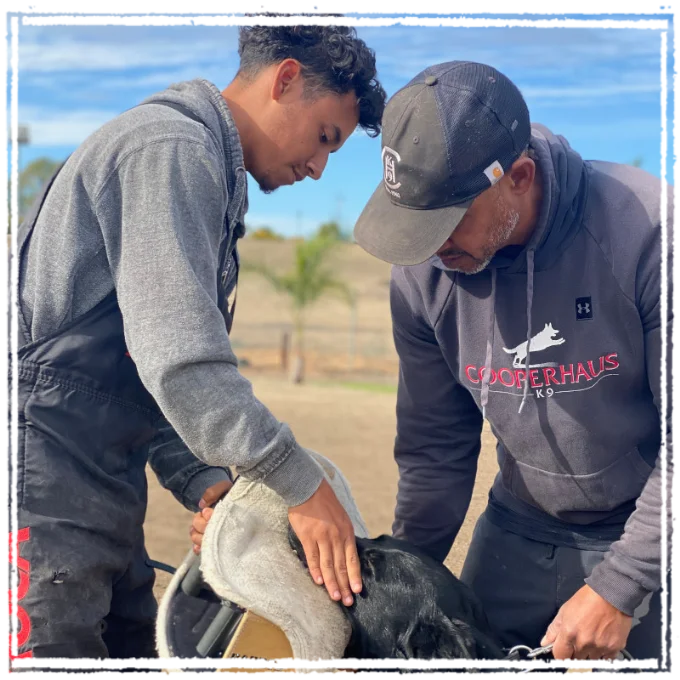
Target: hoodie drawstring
{"x": 491, "y": 332}
{"x": 484, "y": 397}
{"x": 530, "y": 299}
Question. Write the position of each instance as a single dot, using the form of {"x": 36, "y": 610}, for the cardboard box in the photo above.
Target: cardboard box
{"x": 259, "y": 650}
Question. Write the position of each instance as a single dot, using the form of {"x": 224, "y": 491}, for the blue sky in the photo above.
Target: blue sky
{"x": 600, "y": 88}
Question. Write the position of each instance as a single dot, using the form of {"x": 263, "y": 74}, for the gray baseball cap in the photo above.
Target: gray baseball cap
{"x": 448, "y": 135}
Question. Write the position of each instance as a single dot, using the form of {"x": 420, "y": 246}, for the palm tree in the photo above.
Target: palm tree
{"x": 305, "y": 283}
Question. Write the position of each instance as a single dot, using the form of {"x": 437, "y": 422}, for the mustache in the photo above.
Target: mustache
{"x": 453, "y": 253}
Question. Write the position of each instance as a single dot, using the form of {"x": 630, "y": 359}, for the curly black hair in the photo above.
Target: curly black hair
{"x": 333, "y": 59}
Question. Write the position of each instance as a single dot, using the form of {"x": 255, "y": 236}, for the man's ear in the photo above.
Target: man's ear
{"x": 433, "y": 635}
{"x": 520, "y": 176}
{"x": 287, "y": 76}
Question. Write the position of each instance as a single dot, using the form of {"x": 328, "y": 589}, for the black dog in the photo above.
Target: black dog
{"x": 412, "y": 607}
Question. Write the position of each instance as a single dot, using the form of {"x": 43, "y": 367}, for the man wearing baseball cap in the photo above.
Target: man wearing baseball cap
{"x": 526, "y": 291}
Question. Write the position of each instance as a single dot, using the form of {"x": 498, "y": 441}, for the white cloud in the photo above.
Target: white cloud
{"x": 61, "y": 61}
{"x": 72, "y": 55}
{"x": 528, "y": 52}
{"x": 595, "y": 90}
{"x": 625, "y": 131}
{"x": 68, "y": 128}
{"x": 219, "y": 74}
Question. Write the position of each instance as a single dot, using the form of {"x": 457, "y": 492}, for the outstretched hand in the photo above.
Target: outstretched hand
{"x": 327, "y": 536}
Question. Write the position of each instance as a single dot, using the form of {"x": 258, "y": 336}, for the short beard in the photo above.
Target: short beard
{"x": 266, "y": 189}
{"x": 504, "y": 223}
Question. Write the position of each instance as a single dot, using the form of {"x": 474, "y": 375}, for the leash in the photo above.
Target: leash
{"x": 160, "y": 565}
{"x": 525, "y": 653}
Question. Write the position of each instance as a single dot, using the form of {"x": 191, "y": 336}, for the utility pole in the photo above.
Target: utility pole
{"x": 19, "y": 135}
{"x": 340, "y": 200}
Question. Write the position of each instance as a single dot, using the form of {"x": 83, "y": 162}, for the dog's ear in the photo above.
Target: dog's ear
{"x": 432, "y": 635}
{"x": 373, "y": 563}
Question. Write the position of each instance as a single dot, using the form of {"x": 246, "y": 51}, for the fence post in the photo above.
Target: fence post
{"x": 352, "y": 335}
{"x": 285, "y": 343}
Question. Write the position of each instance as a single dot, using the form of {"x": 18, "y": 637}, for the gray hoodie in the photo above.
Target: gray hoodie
{"x": 152, "y": 204}
{"x": 577, "y": 411}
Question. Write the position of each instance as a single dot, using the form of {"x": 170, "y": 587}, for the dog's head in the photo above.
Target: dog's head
{"x": 411, "y": 607}
{"x": 432, "y": 635}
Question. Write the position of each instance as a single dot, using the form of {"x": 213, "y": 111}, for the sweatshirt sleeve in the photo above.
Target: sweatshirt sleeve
{"x": 438, "y": 432}
{"x": 179, "y": 471}
{"x": 632, "y": 567}
{"x": 162, "y": 213}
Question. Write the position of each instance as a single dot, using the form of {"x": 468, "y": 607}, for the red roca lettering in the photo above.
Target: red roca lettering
{"x": 10, "y": 599}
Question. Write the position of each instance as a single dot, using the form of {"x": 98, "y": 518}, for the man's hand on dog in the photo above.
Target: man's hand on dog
{"x": 212, "y": 494}
{"x": 588, "y": 627}
{"x": 327, "y": 536}
{"x": 324, "y": 529}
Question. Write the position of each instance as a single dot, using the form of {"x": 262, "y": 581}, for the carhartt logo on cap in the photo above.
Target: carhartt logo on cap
{"x": 390, "y": 160}
{"x": 494, "y": 172}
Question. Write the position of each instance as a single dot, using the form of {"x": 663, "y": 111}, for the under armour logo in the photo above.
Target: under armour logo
{"x": 584, "y": 308}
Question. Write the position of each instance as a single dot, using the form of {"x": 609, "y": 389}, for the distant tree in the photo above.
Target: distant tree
{"x": 265, "y": 234}
{"x": 33, "y": 176}
{"x": 330, "y": 230}
{"x": 31, "y": 181}
{"x": 637, "y": 161}
{"x": 305, "y": 283}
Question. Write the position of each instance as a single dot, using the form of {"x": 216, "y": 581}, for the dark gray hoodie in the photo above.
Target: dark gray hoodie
{"x": 577, "y": 411}
{"x": 152, "y": 204}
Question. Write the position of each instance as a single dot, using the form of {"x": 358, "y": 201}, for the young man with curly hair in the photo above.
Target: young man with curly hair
{"x": 127, "y": 263}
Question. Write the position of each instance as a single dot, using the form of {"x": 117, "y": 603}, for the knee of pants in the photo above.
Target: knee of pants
{"x": 64, "y": 590}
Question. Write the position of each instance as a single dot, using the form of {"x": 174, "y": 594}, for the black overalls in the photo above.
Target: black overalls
{"x": 85, "y": 425}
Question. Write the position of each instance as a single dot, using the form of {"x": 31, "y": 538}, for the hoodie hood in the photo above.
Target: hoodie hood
{"x": 564, "y": 178}
{"x": 205, "y": 102}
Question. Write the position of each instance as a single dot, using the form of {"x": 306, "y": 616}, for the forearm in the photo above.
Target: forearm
{"x": 438, "y": 435}
{"x": 431, "y": 509}
{"x": 437, "y": 470}
{"x": 179, "y": 471}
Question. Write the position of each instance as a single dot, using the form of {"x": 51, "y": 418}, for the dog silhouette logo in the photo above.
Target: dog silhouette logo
{"x": 539, "y": 342}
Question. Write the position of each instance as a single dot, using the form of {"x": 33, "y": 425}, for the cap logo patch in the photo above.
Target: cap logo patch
{"x": 494, "y": 172}
{"x": 390, "y": 159}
